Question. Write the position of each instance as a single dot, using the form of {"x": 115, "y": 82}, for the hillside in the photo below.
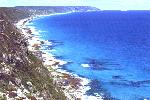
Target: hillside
{"x": 22, "y": 75}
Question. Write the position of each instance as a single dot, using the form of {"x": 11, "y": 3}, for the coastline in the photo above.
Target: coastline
{"x": 77, "y": 86}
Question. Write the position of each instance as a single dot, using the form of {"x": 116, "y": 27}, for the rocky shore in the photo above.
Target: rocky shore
{"x": 26, "y": 72}
{"x": 72, "y": 85}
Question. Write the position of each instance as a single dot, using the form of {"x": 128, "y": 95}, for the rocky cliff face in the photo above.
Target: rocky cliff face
{"x": 22, "y": 75}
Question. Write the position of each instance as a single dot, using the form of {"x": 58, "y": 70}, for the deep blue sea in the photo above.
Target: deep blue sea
{"x": 114, "y": 46}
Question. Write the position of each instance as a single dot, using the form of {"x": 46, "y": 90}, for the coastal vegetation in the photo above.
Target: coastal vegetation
{"x": 20, "y": 69}
{"x": 22, "y": 74}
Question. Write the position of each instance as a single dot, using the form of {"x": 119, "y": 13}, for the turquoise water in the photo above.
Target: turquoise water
{"x": 114, "y": 44}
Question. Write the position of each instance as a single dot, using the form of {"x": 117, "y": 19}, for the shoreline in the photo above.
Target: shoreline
{"x": 52, "y": 64}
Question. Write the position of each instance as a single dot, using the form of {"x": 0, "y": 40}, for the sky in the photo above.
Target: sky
{"x": 101, "y": 4}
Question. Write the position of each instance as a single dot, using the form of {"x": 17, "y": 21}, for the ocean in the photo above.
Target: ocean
{"x": 111, "y": 48}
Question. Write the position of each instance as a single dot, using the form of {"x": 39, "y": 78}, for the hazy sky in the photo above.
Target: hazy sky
{"x": 102, "y": 4}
